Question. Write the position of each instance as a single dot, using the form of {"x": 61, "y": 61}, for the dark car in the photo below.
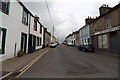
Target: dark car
{"x": 86, "y": 47}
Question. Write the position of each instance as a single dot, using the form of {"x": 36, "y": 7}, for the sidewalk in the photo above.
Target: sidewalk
{"x": 18, "y": 63}
{"x": 107, "y": 53}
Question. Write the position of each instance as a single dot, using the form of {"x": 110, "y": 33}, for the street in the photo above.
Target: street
{"x": 68, "y": 62}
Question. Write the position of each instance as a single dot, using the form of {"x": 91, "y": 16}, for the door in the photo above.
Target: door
{"x": 114, "y": 42}
{"x": 23, "y": 42}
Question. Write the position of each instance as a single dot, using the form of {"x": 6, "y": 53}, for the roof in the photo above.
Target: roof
{"x": 114, "y": 8}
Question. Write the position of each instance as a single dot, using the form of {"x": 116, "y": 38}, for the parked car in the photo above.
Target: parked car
{"x": 53, "y": 44}
{"x": 70, "y": 44}
{"x": 86, "y": 47}
{"x": 57, "y": 43}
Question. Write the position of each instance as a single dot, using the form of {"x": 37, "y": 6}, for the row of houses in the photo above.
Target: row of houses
{"x": 20, "y": 30}
{"x": 103, "y": 32}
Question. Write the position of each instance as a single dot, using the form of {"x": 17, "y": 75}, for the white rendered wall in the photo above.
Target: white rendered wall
{"x": 13, "y": 24}
{"x": 36, "y": 33}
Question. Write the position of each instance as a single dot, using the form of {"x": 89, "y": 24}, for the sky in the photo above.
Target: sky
{"x": 67, "y": 15}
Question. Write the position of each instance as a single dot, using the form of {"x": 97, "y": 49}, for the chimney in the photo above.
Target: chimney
{"x": 36, "y": 17}
{"x": 89, "y": 19}
{"x": 104, "y": 8}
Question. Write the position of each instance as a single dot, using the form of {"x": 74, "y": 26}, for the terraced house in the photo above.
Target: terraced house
{"x": 19, "y": 29}
{"x": 36, "y": 31}
{"x": 105, "y": 30}
{"x": 13, "y": 28}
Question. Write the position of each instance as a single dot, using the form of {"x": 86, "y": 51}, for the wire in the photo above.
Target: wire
{"x": 49, "y": 12}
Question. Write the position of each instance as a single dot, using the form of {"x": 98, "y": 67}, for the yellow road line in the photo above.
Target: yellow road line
{"x": 31, "y": 63}
{"x": 6, "y": 75}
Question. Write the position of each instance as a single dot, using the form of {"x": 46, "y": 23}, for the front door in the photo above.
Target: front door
{"x": 114, "y": 42}
{"x": 23, "y": 42}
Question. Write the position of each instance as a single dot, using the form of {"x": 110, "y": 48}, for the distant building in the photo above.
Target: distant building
{"x": 46, "y": 38}
{"x": 105, "y": 30}
{"x": 77, "y": 38}
{"x": 84, "y": 35}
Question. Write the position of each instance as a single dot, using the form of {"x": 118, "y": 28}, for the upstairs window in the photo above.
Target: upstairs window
{"x": 95, "y": 27}
{"x": 25, "y": 17}
{"x": 108, "y": 21}
{"x": 35, "y": 25}
{"x": 40, "y": 29}
{"x": 4, "y": 6}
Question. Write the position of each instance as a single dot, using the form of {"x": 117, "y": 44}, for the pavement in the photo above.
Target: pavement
{"x": 68, "y": 62}
{"x": 17, "y": 63}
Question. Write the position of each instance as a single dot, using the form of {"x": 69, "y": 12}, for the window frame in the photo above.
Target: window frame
{"x": 95, "y": 27}
{"x": 104, "y": 41}
{"x": 108, "y": 21}
{"x": 7, "y": 8}
{"x": 40, "y": 29}
{"x": 2, "y": 50}
{"x": 25, "y": 19}
{"x": 35, "y": 25}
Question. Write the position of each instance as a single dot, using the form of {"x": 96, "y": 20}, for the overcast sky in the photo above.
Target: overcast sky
{"x": 67, "y": 15}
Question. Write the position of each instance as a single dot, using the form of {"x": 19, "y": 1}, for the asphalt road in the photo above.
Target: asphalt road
{"x": 68, "y": 62}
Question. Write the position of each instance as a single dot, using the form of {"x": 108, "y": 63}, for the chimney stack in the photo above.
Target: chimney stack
{"x": 104, "y": 8}
{"x": 36, "y": 17}
{"x": 89, "y": 19}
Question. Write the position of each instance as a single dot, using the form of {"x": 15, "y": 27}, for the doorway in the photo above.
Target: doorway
{"x": 23, "y": 42}
{"x": 114, "y": 42}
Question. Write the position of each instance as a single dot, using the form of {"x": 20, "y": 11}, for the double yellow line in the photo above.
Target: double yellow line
{"x": 31, "y": 63}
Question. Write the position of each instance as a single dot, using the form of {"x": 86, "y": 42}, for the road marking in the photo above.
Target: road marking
{"x": 6, "y": 75}
{"x": 31, "y": 63}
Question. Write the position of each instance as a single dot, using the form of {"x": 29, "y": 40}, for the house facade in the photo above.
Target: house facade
{"x": 13, "y": 28}
{"x": 35, "y": 34}
{"x": 19, "y": 30}
{"x": 47, "y": 38}
{"x": 105, "y": 30}
{"x": 84, "y": 35}
{"x": 77, "y": 38}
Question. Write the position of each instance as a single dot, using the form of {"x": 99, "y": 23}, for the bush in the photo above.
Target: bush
{"x": 20, "y": 53}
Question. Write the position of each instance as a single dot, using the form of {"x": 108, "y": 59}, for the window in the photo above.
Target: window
{"x": 40, "y": 41}
{"x": 103, "y": 41}
{"x": 88, "y": 40}
{"x": 95, "y": 27}
{"x": 35, "y": 25}
{"x": 40, "y": 29}
{"x": 4, "y": 6}
{"x": 25, "y": 17}
{"x": 2, "y": 40}
{"x": 100, "y": 41}
{"x": 108, "y": 21}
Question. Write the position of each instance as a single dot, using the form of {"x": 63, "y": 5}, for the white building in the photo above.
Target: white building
{"x": 71, "y": 38}
{"x": 35, "y": 34}
{"x": 14, "y": 26}
{"x": 18, "y": 29}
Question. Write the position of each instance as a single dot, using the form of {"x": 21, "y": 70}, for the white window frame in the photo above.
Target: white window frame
{"x": 1, "y": 36}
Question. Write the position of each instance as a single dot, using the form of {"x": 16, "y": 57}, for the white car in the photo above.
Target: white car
{"x": 53, "y": 44}
{"x": 70, "y": 44}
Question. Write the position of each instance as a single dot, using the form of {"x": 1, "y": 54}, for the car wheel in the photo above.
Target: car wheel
{"x": 83, "y": 50}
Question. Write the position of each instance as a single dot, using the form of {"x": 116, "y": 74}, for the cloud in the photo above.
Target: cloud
{"x": 67, "y": 15}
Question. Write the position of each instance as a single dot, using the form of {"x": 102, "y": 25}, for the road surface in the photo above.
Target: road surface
{"x": 68, "y": 62}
